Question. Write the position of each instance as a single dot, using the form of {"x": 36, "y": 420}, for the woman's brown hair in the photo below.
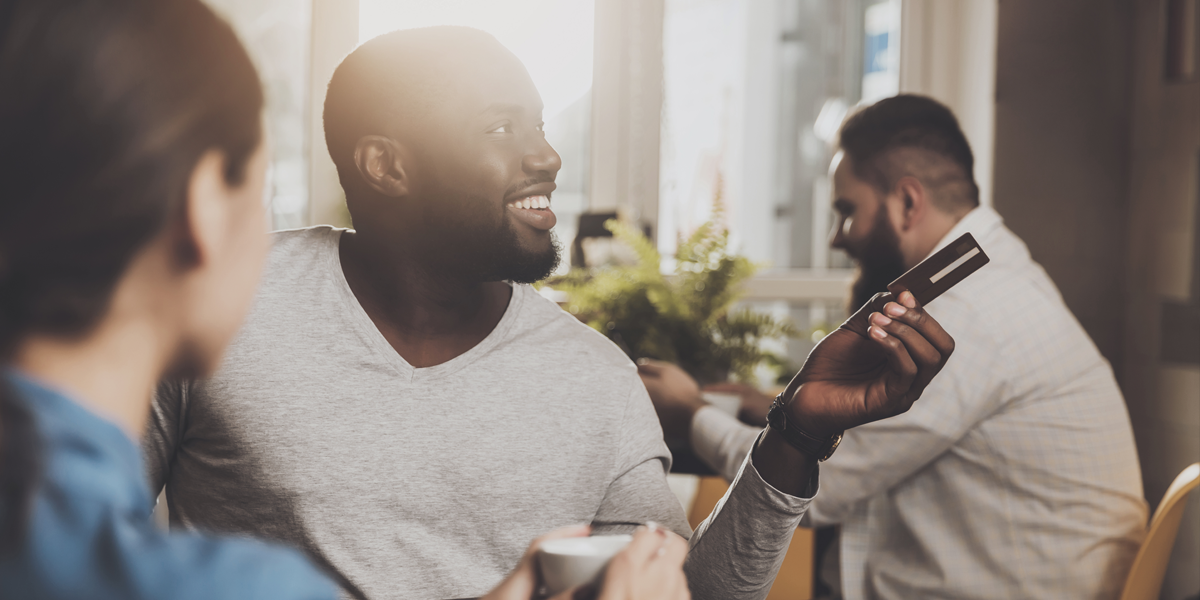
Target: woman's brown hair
{"x": 106, "y": 107}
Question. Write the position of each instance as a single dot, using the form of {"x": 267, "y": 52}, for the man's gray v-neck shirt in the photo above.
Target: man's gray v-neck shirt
{"x": 430, "y": 482}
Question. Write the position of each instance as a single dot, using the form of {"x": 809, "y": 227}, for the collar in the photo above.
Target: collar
{"x": 980, "y": 222}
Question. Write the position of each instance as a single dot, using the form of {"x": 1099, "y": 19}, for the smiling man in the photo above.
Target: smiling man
{"x": 402, "y": 407}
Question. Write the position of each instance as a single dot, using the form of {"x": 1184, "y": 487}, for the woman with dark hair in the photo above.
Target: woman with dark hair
{"x": 132, "y": 232}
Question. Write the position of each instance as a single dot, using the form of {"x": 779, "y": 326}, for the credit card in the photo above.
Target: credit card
{"x": 941, "y": 271}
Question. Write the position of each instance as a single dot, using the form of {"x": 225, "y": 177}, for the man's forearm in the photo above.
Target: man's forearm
{"x": 737, "y": 551}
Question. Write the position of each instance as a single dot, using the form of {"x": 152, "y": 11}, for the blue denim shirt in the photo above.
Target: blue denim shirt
{"x": 91, "y": 535}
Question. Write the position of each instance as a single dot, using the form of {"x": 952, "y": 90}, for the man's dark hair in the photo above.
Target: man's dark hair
{"x": 910, "y": 135}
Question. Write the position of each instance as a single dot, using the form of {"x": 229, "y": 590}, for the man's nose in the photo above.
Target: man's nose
{"x": 542, "y": 158}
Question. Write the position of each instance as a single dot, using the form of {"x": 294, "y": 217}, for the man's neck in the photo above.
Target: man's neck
{"x": 932, "y": 230}
{"x": 427, "y": 315}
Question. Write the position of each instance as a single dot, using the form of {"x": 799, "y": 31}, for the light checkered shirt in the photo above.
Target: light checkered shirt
{"x": 1014, "y": 476}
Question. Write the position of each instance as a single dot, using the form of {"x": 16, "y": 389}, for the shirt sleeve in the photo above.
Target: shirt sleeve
{"x": 737, "y": 551}
{"x": 89, "y": 537}
{"x": 722, "y": 441}
{"x": 97, "y": 553}
{"x": 639, "y": 491}
{"x": 164, "y": 432}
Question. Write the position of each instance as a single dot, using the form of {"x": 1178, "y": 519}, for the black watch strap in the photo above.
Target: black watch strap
{"x": 820, "y": 448}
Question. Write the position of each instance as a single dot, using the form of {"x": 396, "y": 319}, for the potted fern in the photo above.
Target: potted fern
{"x": 684, "y": 317}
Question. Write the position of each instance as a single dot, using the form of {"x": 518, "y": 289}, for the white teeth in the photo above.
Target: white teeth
{"x": 531, "y": 202}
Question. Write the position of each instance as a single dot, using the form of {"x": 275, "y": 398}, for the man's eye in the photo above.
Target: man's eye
{"x": 505, "y": 128}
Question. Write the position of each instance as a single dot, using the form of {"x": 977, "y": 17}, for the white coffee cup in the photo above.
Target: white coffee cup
{"x": 568, "y": 562}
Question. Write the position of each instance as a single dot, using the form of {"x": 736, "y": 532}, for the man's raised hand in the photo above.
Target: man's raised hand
{"x": 872, "y": 367}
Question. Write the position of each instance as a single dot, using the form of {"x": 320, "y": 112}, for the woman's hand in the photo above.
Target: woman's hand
{"x": 523, "y": 581}
{"x": 650, "y": 568}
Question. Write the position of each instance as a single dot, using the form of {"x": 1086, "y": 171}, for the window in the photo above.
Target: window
{"x": 276, "y": 33}
{"x": 753, "y": 95}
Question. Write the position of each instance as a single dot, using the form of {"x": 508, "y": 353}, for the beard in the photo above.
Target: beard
{"x": 879, "y": 263}
{"x": 460, "y": 242}
{"x": 511, "y": 262}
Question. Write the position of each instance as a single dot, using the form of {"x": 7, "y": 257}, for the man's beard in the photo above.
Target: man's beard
{"x": 509, "y": 261}
{"x": 879, "y": 263}
{"x": 490, "y": 252}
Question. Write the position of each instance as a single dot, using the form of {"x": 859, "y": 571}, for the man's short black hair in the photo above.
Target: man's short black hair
{"x": 910, "y": 135}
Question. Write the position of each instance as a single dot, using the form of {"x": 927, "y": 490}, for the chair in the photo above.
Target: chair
{"x": 1150, "y": 565}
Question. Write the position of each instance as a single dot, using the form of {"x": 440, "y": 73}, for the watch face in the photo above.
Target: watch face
{"x": 837, "y": 441}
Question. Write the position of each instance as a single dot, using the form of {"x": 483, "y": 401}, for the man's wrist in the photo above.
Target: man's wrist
{"x": 801, "y": 414}
{"x": 783, "y": 420}
{"x": 782, "y": 465}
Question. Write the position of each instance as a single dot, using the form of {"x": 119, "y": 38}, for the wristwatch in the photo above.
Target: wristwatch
{"x": 801, "y": 440}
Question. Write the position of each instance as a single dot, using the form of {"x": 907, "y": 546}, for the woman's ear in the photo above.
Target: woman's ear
{"x": 915, "y": 201}
{"x": 201, "y": 231}
{"x": 379, "y": 162}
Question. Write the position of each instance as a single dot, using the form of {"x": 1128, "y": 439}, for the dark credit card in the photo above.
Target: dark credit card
{"x": 941, "y": 271}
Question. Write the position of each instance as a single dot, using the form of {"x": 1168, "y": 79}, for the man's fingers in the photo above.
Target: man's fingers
{"x": 922, "y": 351}
{"x": 899, "y": 361}
{"x": 858, "y": 321}
{"x": 928, "y": 360}
{"x": 915, "y": 316}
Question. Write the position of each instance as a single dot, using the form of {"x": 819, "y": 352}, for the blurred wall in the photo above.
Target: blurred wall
{"x": 1161, "y": 370}
{"x": 1061, "y": 157}
{"x": 1097, "y": 167}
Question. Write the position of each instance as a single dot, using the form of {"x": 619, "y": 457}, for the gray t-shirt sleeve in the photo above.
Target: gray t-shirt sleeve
{"x": 639, "y": 491}
{"x": 163, "y": 431}
{"x": 737, "y": 551}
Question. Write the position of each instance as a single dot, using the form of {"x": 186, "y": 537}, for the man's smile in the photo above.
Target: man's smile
{"x": 532, "y": 206}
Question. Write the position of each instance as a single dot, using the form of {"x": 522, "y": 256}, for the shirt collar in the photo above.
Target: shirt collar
{"x": 980, "y": 222}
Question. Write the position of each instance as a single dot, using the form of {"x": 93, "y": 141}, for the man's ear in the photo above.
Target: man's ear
{"x": 915, "y": 201}
{"x": 201, "y": 231}
{"x": 379, "y": 162}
